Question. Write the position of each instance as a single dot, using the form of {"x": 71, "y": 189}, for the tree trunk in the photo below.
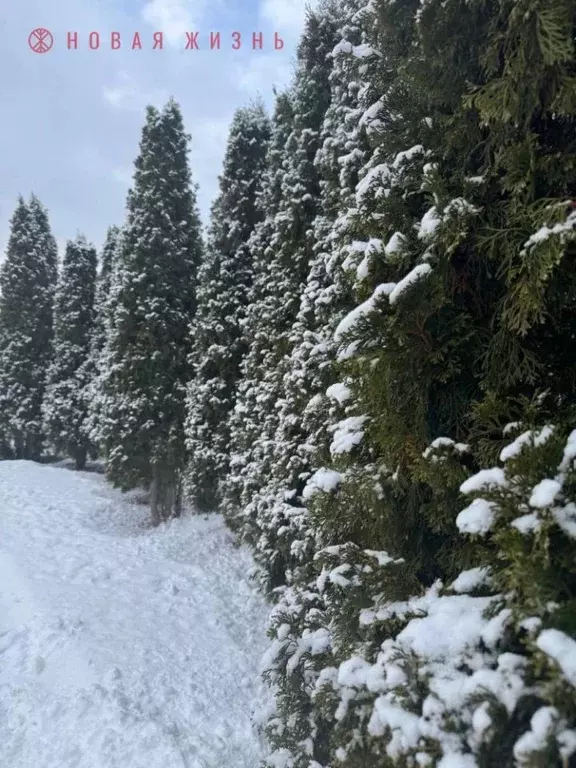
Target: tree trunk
{"x": 165, "y": 494}
{"x": 179, "y": 491}
{"x": 6, "y": 451}
{"x": 80, "y": 459}
{"x": 33, "y": 447}
{"x": 19, "y": 446}
{"x": 154, "y": 494}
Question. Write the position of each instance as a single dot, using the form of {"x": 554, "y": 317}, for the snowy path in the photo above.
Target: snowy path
{"x": 121, "y": 647}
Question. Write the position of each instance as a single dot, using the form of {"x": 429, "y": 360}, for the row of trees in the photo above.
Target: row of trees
{"x": 383, "y": 404}
{"x": 368, "y": 369}
{"x": 98, "y": 364}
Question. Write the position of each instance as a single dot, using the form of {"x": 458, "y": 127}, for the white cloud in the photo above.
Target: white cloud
{"x": 123, "y": 91}
{"x": 286, "y": 16}
{"x": 262, "y": 72}
{"x": 128, "y": 93}
{"x": 174, "y": 17}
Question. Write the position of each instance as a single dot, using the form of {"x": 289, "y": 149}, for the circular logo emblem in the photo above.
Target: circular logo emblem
{"x": 40, "y": 40}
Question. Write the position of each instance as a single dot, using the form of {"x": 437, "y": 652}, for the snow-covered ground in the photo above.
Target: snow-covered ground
{"x": 120, "y": 646}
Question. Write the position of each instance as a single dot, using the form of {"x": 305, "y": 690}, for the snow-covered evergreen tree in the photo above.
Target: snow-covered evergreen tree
{"x": 65, "y": 406}
{"x": 145, "y": 362}
{"x": 107, "y": 285}
{"x": 219, "y": 338}
{"x": 254, "y": 419}
{"x": 104, "y": 286}
{"x": 302, "y": 438}
{"x": 27, "y": 282}
{"x": 283, "y": 250}
{"x": 401, "y": 643}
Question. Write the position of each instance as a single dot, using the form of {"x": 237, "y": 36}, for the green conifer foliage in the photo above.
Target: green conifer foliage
{"x": 385, "y": 651}
{"x": 284, "y": 249}
{"x": 107, "y": 286}
{"x": 371, "y": 373}
{"x": 27, "y": 282}
{"x": 307, "y": 400}
{"x": 226, "y": 276}
{"x": 65, "y": 406}
{"x": 108, "y": 259}
{"x": 145, "y": 363}
{"x": 253, "y": 421}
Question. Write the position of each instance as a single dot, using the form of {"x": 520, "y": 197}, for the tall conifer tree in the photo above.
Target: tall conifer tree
{"x": 145, "y": 363}
{"x": 254, "y": 419}
{"x": 27, "y": 282}
{"x": 65, "y": 405}
{"x": 104, "y": 286}
{"x": 104, "y": 302}
{"x": 283, "y": 250}
{"x": 226, "y": 276}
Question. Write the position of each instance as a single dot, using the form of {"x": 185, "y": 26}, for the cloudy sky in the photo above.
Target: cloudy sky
{"x": 71, "y": 119}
